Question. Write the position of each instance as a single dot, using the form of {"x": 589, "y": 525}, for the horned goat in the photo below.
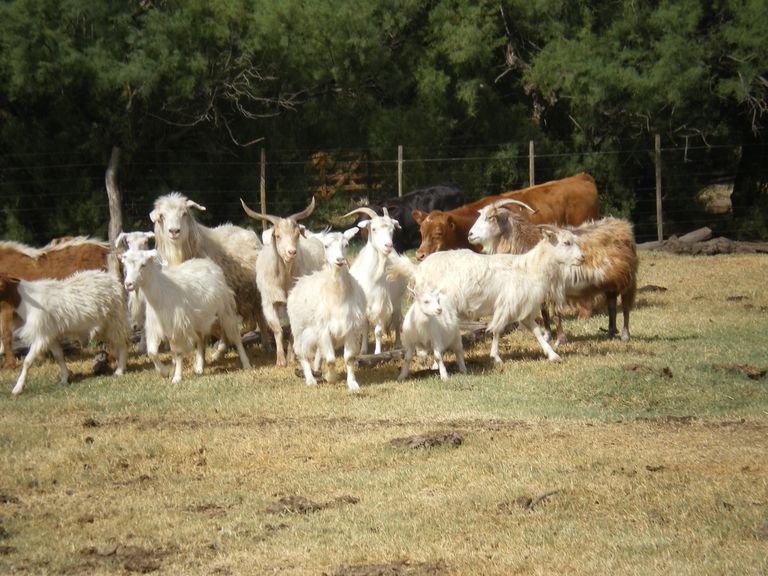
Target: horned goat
{"x": 609, "y": 270}
{"x": 384, "y": 296}
{"x": 327, "y": 310}
{"x": 288, "y": 255}
{"x": 179, "y": 237}
{"x": 183, "y": 302}
{"x": 431, "y": 323}
{"x": 87, "y": 302}
{"x": 510, "y": 288}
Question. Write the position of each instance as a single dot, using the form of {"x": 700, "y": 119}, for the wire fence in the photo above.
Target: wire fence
{"x": 342, "y": 179}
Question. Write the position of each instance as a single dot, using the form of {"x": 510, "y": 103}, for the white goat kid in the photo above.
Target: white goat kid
{"x": 87, "y": 302}
{"x": 183, "y": 302}
{"x": 286, "y": 255}
{"x": 384, "y": 296}
{"x": 327, "y": 310}
{"x": 431, "y": 323}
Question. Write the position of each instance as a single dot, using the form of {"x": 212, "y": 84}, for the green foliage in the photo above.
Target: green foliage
{"x": 186, "y": 89}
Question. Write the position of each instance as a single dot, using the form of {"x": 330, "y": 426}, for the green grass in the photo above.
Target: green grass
{"x": 656, "y": 447}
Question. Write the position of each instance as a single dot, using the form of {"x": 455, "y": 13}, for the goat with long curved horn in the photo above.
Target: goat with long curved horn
{"x": 507, "y": 201}
{"x": 258, "y": 215}
{"x": 304, "y": 213}
{"x": 362, "y": 210}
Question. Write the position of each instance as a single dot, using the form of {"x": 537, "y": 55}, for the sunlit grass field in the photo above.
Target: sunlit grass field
{"x": 647, "y": 457}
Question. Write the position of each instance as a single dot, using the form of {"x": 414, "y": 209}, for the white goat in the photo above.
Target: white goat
{"x": 183, "y": 302}
{"x": 87, "y": 302}
{"x": 287, "y": 255}
{"x": 326, "y": 310}
{"x": 431, "y": 323}
{"x": 384, "y": 296}
{"x": 179, "y": 237}
{"x": 511, "y": 288}
{"x": 137, "y": 240}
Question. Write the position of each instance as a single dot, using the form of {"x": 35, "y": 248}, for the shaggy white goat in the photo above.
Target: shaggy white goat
{"x": 610, "y": 259}
{"x": 384, "y": 296}
{"x": 179, "y": 237}
{"x": 511, "y": 288}
{"x": 286, "y": 255}
{"x": 87, "y": 302}
{"x": 326, "y": 310}
{"x": 431, "y": 323}
{"x": 183, "y": 302}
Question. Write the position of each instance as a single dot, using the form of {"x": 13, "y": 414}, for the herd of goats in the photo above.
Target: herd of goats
{"x": 513, "y": 257}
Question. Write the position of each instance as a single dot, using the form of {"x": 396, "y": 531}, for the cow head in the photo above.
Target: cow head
{"x": 438, "y": 232}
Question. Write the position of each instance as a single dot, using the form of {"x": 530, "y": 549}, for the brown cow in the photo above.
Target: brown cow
{"x": 570, "y": 201}
{"x": 55, "y": 261}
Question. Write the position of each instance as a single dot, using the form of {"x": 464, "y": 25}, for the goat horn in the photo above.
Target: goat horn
{"x": 506, "y": 201}
{"x": 385, "y": 211}
{"x": 362, "y": 210}
{"x": 304, "y": 213}
{"x": 258, "y": 216}
{"x": 193, "y": 204}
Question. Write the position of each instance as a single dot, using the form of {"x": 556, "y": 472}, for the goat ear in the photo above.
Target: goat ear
{"x": 119, "y": 239}
{"x": 397, "y": 224}
{"x": 267, "y": 235}
{"x": 363, "y": 224}
{"x": 193, "y": 204}
{"x": 303, "y": 230}
{"x": 419, "y": 216}
{"x": 155, "y": 215}
{"x": 349, "y": 234}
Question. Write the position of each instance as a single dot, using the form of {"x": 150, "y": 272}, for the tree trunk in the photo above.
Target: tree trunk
{"x": 115, "y": 205}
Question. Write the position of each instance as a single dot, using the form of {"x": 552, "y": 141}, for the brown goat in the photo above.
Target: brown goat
{"x": 56, "y": 260}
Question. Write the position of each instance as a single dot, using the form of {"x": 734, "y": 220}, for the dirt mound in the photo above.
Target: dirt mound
{"x": 399, "y": 568}
{"x": 429, "y": 440}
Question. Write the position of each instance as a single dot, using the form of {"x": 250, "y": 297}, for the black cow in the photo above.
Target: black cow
{"x": 439, "y": 197}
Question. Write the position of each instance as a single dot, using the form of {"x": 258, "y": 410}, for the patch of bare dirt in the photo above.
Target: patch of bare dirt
{"x": 429, "y": 440}
{"x": 131, "y": 558}
{"x": 398, "y": 568}
{"x": 6, "y": 550}
{"x": 643, "y": 369}
{"x": 751, "y": 372}
{"x": 301, "y": 505}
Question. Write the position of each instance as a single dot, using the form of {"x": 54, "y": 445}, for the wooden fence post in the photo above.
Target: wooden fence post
{"x": 659, "y": 223}
{"x": 263, "y": 186}
{"x": 531, "y": 177}
{"x": 400, "y": 170}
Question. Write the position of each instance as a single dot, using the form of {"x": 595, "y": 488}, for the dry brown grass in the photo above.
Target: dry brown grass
{"x": 652, "y": 453}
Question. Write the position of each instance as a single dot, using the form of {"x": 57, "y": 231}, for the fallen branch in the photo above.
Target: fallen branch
{"x": 538, "y": 499}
